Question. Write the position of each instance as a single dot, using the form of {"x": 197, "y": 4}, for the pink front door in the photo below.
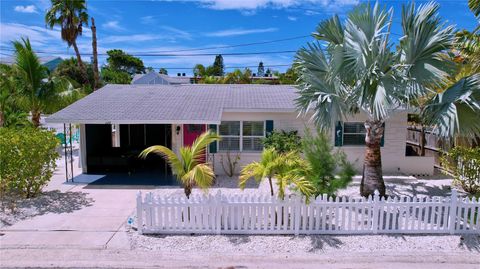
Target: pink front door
{"x": 191, "y": 132}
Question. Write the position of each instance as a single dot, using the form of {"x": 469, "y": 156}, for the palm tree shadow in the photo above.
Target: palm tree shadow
{"x": 238, "y": 239}
{"x": 319, "y": 242}
{"x": 470, "y": 242}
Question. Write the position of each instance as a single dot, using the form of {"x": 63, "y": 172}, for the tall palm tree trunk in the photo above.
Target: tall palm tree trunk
{"x": 95, "y": 55}
{"x": 80, "y": 63}
{"x": 372, "y": 177}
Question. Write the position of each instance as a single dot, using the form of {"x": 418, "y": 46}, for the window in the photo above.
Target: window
{"x": 230, "y": 132}
{"x": 241, "y": 136}
{"x": 252, "y": 135}
{"x": 354, "y": 134}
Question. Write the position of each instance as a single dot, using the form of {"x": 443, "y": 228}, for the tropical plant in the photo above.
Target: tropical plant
{"x": 361, "y": 71}
{"x": 7, "y": 90}
{"x": 266, "y": 168}
{"x": 69, "y": 69}
{"x": 229, "y": 163}
{"x": 70, "y": 16}
{"x": 118, "y": 60}
{"x": 464, "y": 164}
{"x": 327, "y": 170}
{"x": 188, "y": 166}
{"x": 285, "y": 168}
{"x": 115, "y": 77}
{"x": 38, "y": 92}
{"x": 283, "y": 141}
{"x": 238, "y": 77}
{"x": 28, "y": 157}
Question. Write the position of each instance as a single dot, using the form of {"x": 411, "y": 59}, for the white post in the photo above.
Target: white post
{"x": 375, "y": 211}
{"x": 139, "y": 213}
{"x": 452, "y": 216}
{"x": 218, "y": 211}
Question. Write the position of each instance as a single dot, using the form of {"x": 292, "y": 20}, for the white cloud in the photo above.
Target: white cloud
{"x": 26, "y": 9}
{"x": 255, "y": 4}
{"x": 178, "y": 33}
{"x": 130, "y": 38}
{"x": 240, "y": 31}
{"x": 291, "y": 18}
{"x": 113, "y": 25}
{"x": 147, "y": 20}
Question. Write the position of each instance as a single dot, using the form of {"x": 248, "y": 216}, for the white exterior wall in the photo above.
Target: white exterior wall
{"x": 394, "y": 160}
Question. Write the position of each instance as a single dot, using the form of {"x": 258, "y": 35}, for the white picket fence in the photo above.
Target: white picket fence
{"x": 252, "y": 214}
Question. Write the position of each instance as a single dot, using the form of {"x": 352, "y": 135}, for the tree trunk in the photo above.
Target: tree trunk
{"x": 80, "y": 63}
{"x": 95, "y": 55}
{"x": 372, "y": 178}
{"x": 36, "y": 118}
{"x": 188, "y": 190}
{"x": 271, "y": 185}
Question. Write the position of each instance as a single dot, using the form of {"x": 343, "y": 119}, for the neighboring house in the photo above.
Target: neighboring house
{"x": 174, "y": 115}
{"x": 156, "y": 78}
{"x": 51, "y": 62}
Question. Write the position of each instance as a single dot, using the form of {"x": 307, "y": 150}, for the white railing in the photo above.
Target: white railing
{"x": 261, "y": 214}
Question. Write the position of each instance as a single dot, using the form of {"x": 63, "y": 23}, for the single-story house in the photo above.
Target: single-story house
{"x": 157, "y": 78}
{"x": 118, "y": 121}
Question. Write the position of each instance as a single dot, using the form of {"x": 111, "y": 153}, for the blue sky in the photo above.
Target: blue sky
{"x": 170, "y": 26}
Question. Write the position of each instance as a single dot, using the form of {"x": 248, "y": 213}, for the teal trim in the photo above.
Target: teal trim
{"x": 339, "y": 134}
{"x": 213, "y": 146}
{"x": 268, "y": 127}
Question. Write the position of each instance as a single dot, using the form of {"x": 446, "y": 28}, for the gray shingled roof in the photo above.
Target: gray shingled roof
{"x": 193, "y": 103}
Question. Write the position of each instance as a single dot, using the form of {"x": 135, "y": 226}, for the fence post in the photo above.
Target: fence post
{"x": 139, "y": 213}
{"x": 452, "y": 218}
{"x": 375, "y": 211}
{"x": 218, "y": 211}
{"x": 297, "y": 215}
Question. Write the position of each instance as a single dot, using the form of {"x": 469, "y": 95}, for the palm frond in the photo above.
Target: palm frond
{"x": 200, "y": 144}
{"x": 175, "y": 163}
{"x": 201, "y": 175}
{"x": 456, "y": 110}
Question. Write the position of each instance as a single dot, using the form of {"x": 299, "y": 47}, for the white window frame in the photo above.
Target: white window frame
{"x": 343, "y": 135}
{"x": 241, "y": 135}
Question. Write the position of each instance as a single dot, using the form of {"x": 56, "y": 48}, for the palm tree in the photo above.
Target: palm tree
{"x": 38, "y": 92}
{"x": 284, "y": 167}
{"x": 70, "y": 16}
{"x": 361, "y": 71}
{"x": 260, "y": 170}
{"x": 188, "y": 166}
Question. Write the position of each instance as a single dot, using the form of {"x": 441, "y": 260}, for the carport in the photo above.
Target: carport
{"x": 117, "y": 122}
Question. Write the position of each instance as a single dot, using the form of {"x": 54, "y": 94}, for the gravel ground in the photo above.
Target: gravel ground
{"x": 46, "y": 202}
{"x": 396, "y": 186}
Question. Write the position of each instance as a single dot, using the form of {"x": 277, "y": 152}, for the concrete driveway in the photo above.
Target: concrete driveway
{"x": 95, "y": 221}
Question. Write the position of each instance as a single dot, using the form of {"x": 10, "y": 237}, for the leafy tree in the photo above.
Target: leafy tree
{"x": 259, "y": 170}
{"x": 163, "y": 71}
{"x": 238, "y": 77}
{"x": 218, "y": 67}
{"x": 187, "y": 166}
{"x": 464, "y": 164}
{"x": 199, "y": 70}
{"x": 288, "y": 78}
{"x": 70, "y": 16}
{"x": 38, "y": 91}
{"x": 69, "y": 69}
{"x": 327, "y": 170}
{"x": 261, "y": 70}
{"x": 28, "y": 157}
{"x": 115, "y": 76}
{"x": 283, "y": 141}
{"x": 361, "y": 71}
{"x": 118, "y": 60}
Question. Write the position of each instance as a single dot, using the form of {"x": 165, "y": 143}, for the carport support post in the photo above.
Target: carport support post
{"x": 65, "y": 150}
{"x": 71, "y": 152}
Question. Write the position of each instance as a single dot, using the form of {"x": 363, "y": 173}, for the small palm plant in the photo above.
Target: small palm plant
{"x": 188, "y": 166}
{"x": 285, "y": 167}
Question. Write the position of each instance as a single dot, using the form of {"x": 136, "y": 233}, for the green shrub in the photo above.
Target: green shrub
{"x": 27, "y": 160}
{"x": 464, "y": 164}
{"x": 328, "y": 170}
{"x": 283, "y": 141}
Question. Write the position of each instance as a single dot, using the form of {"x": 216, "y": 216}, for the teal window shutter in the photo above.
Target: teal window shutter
{"x": 382, "y": 142}
{"x": 268, "y": 127}
{"x": 339, "y": 134}
{"x": 213, "y": 146}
